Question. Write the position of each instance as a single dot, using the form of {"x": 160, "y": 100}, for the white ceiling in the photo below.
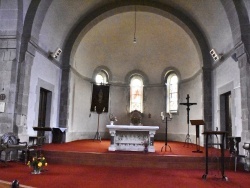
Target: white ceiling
{"x": 161, "y": 42}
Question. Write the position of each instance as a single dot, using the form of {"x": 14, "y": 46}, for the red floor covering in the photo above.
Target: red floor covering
{"x": 60, "y": 176}
{"x": 177, "y": 148}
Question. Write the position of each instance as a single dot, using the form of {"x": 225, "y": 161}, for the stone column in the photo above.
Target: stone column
{"x": 112, "y": 140}
{"x": 244, "y": 66}
{"x": 64, "y": 104}
{"x": 22, "y": 91}
{"x": 207, "y": 98}
{"x": 7, "y": 81}
{"x": 151, "y": 147}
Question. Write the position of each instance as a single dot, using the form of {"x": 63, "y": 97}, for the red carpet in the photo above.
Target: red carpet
{"x": 91, "y": 176}
{"x": 65, "y": 176}
{"x": 89, "y": 152}
{"x": 177, "y": 148}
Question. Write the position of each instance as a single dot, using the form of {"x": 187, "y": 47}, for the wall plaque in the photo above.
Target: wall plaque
{"x": 2, "y": 107}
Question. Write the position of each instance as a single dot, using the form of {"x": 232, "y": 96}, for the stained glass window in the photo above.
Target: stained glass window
{"x": 172, "y": 93}
{"x": 136, "y": 94}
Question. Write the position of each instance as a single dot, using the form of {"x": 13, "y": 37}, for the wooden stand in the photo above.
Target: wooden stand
{"x": 40, "y": 136}
{"x": 197, "y": 124}
{"x": 216, "y": 133}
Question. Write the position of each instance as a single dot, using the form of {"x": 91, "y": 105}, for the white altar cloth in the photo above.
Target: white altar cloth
{"x": 131, "y": 138}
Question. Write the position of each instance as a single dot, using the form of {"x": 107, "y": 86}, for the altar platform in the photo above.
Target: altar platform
{"x": 93, "y": 152}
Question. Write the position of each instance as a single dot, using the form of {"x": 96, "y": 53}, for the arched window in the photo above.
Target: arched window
{"x": 172, "y": 92}
{"x": 101, "y": 77}
{"x": 136, "y": 94}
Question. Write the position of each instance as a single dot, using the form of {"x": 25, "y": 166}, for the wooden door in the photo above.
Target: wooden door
{"x": 226, "y": 115}
{"x": 42, "y": 107}
{"x": 44, "y": 111}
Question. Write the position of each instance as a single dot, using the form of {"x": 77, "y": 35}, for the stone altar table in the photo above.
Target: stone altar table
{"x": 131, "y": 138}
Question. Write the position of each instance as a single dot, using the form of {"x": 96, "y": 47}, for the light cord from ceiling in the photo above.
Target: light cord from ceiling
{"x": 135, "y": 27}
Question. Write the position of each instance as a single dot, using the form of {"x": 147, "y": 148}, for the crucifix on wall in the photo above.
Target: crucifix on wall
{"x": 188, "y": 104}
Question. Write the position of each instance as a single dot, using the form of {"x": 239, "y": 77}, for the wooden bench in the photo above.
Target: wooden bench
{"x": 11, "y": 143}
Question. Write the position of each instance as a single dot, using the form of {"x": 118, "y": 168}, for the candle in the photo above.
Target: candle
{"x": 162, "y": 116}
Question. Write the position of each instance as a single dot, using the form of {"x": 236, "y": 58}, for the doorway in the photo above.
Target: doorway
{"x": 226, "y": 115}
{"x": 44, "y": 110}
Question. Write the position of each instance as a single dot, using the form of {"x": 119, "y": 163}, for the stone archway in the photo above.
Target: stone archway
{"x": 26, "y": 53}
{"x": 237, "y": 14}
{"x": 114, "y": 8}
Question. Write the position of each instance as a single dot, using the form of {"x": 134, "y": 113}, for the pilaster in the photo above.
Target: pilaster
{"x": 244, "y": 66}
{"x": 7, "y": 81}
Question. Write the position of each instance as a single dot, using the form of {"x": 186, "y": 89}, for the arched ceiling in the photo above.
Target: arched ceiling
{"x": 161, "y": 42}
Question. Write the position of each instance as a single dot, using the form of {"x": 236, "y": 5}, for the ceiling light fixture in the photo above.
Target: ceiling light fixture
{"x": 135, "y": 28}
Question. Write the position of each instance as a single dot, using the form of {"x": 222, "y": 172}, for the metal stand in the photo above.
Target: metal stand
{"x": 97, "y": 134}
{"x": 188, "y": 104}
{"x": 223, "y": 134}
{"x": 166, "y": 136}
{"x": 188, "y": 139}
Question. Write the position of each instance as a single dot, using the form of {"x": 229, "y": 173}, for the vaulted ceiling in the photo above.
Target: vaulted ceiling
{"x": 163, "y": 39}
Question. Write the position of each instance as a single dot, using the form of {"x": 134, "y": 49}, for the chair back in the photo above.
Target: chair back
{"x": 9, "y": 139}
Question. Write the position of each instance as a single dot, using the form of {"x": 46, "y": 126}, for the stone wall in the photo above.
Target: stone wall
{"x": 8, "y": 62}
{"x": 7, "y": 81}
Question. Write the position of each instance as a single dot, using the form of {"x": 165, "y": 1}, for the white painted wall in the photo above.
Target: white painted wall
{"x": 46, "y": 71}
{"x": 83, "y": 126}
{"x": 226, "y": 77}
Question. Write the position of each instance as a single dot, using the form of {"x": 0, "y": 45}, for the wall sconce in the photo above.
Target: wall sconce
{"x": 214, "y": 55}
{"x": 56, "y": 53}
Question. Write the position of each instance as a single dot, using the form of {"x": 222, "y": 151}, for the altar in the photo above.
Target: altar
{"x": 131, "y": 138}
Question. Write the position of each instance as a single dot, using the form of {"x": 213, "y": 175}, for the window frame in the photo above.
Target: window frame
{"x": 168, "y": 77}
{"x": 104, "y": 75}
{"x": 141, "y": 86}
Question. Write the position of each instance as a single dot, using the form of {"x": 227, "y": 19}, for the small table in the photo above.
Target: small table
{"x": 223, "y": 134}
{"x": 58, "y": 134}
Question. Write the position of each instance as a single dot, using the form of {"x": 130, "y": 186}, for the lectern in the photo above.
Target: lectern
{"x": 197, "y": 124}
{"x": 40, "y": 134}
{"x": 40, "y": 139}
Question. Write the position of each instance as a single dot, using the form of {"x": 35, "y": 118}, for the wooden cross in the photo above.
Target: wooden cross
{"x": 188, "y": 104}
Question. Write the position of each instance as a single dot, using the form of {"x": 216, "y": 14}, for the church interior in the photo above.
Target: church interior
{"x": 134, "y": 71}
